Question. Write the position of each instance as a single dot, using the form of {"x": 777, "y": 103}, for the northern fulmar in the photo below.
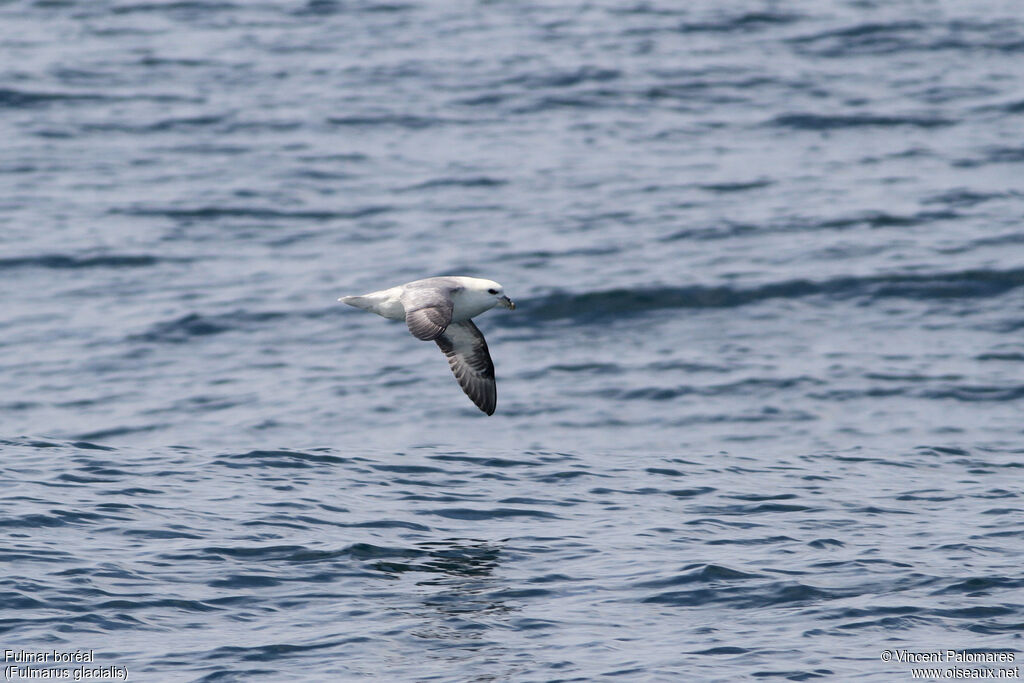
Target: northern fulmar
{"x": 440, "y": 309}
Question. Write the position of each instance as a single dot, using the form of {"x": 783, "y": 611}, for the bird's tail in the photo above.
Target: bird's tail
{"x": 357, "y": 301}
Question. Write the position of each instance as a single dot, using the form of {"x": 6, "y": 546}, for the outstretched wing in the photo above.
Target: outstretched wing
{"x": 428, "y": 311}
{"x": 470, "y": 362}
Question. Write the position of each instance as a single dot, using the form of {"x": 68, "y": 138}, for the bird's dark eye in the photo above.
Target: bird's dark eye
{"x": 492, "y": 291}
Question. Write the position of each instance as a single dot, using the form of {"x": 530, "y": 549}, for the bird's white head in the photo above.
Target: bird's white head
{"x": 484, "y": 294}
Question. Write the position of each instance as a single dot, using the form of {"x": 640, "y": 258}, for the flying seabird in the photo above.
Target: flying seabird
{"x": 440, "y": 309}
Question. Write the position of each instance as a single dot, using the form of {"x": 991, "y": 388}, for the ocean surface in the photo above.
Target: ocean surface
{"x": 760, "y": 408}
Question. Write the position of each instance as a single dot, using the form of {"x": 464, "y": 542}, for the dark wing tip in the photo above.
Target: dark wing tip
{"x": 487, "y": 401}
{"x": 481, "y": 389}
{"x": 471, "y": 364}
{"x": 484, "y": 394}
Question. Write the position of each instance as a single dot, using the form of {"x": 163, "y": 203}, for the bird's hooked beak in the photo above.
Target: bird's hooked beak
{"x": 507, "y": 303}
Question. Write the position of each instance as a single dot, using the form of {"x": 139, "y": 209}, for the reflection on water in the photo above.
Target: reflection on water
{"x": 451, "y": 557}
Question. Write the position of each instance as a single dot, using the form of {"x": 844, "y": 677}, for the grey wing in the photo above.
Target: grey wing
{"x": 428, "y": 311}
{"x": 471, "y": 364}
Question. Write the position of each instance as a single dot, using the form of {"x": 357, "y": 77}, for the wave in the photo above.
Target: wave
{"x": 64, "y": 261}
{"x": 112, "y": 432}
{"x": 723, "y": 188}
{"x": 879, "y": 38}
{"x": 870, "y": 219}
{"x": 867, "y": 38}
{"x": 497, "y": 513}
{"x": 477, "y": 181}
{"x": 807, "y": 121}
{"x": 196, "y": 325}
{"x": 221, "y": 124}
{"x": 788, "y": 593}
{"x": 600, "y": 306}
{"x": 993, "y": 155}
{"x": 213, "y": 212}
{"x": 719, "y": 22}
{"x": 191, "y": 325}
{"x": 760, "y": 385}
{"x": 12, "y": 98}
{"x": 749, "y": 21}
{"x": 23, "y": 99}
{"x": 563, "y": 79}
{"x": 182, "y": 6}
{"x": 391, "y": 120}
{"x": 332, "y": 7}
{"x": 964, "y": 197}
{"x": 705, "y": 573}
{"x": 961, "y": 393}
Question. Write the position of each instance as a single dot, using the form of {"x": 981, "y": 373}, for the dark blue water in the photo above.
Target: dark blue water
{"x": 759, "y": 409}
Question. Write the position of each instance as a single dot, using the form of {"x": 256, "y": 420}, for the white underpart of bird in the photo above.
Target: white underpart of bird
{"x": 441, "y": 309}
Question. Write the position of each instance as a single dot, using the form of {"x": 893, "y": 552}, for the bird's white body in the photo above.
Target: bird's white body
{"x": 470, "y": 300}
